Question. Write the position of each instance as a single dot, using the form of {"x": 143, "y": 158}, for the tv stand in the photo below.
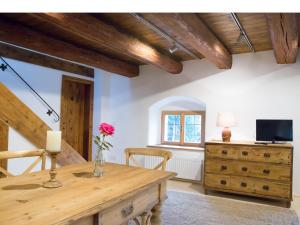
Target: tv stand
{"x": 249, "y": 169}
{"x": 269, "y": 142}
{"x": 261, "y": 143}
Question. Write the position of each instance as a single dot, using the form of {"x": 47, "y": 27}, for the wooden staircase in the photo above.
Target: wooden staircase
{"x": 20, "y": 117}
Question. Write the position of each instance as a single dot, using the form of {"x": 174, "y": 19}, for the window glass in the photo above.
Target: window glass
{"x": 183, "y": 128}
{"x": 192, "y": 128}
{"x": 172, "y": 128}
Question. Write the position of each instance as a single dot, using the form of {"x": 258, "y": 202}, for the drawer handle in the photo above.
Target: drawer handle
{"x": 223, "y": 182}
{"x": 243, "y": 184}
{"x": 244, "y": 153}
{"x": 266, "y": 187}
{"x": 223, "y": 167}
{"x": 245, "y": 169}
{"x": 224, "y": 152}
{"x": 267, "y": 155}
{"x": 265, "y": 171}
{"x": 127, "y": 211}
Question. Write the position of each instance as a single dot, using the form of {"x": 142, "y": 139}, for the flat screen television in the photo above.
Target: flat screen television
{"x": 274, "y": 130}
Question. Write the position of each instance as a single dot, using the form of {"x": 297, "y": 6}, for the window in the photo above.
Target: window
{"x": 183, "y": 128}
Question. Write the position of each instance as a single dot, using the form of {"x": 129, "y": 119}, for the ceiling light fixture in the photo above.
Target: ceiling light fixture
{"x": 173, "y": 48}
{"x": 163, "y": 34}
{"x": 243, "y": 38}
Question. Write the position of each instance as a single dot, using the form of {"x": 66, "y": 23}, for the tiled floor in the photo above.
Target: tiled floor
{"x": 198, "y": 189}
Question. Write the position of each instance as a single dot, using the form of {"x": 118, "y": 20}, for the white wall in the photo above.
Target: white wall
{"x": 255, "y": 87}
{"x": 47, "y": 82}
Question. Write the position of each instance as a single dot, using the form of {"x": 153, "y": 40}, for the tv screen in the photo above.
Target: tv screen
{"x": 274, "y": 130}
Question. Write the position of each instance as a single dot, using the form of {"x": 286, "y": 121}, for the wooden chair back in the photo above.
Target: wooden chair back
{"x": 165, "y": 155}
{"x": 41, "y": 153}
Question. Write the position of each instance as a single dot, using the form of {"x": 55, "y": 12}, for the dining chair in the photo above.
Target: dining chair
{"x": 41, "y": 153}
{"x": 131, "y": 152}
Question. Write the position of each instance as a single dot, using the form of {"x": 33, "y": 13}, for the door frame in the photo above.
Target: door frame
{"x": 4, "y": 129}
{"x": 88, "y": 109}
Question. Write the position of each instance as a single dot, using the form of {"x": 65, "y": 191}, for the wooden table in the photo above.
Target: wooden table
{"x": 122, "y": 194}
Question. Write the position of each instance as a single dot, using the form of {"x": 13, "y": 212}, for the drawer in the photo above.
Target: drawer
{"x": 229, "y": 183}
{"x": 273, "y": 189}
{"x": 248, "y": 185}
{"x": 250, "y": 169}
{"x": 130, "y": 208}
{"x": 250, "y": 153}
{"x": 221, "y": 151}
{"x": 265, "y": 154}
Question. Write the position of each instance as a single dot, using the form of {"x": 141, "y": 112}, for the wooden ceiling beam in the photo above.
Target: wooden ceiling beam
{"x": 283, "y": 31}
{"x": 191, "y": 29}
{"x": 23, "y": 36}
{"x": 102, "y": 34}
{"x": 24, "y": 55}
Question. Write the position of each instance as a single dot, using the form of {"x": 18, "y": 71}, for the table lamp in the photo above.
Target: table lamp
{"x": 226, "y": 120}
{"x": 53, "y": 147}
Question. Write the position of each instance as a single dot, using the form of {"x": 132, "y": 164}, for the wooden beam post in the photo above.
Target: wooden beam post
{"x": 20, "y": 54}
{"x": 102, "y": 34}
{"x": 189, "y": 27}
{"x": 283, "y": 29}
{"x": 19, "y": 35}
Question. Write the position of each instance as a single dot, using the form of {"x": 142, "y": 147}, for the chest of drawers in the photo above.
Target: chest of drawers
{"x": 250, "y": 169}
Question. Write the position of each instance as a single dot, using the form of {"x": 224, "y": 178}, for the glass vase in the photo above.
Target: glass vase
{"x": 98, "y": 170}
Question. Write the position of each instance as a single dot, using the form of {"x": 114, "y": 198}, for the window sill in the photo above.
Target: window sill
{"x": 177, "y": 147}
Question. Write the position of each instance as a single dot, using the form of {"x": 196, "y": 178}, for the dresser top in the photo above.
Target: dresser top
{"x": 249, "y": 143}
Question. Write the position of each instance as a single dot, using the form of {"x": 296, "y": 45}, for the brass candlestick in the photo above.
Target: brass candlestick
{"x": 53, "y": 183}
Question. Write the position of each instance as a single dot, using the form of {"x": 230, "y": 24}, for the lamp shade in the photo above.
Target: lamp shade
{"x": 225, "y": 119}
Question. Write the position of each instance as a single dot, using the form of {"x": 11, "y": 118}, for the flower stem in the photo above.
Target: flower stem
{"x": 101, "y": 146}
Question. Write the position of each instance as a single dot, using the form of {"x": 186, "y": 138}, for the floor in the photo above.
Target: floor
{"x": 198, "y": 189}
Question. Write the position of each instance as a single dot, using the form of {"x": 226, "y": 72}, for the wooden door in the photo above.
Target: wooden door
{"x": 3, "y": 142}
{"x": 77, "y": 114}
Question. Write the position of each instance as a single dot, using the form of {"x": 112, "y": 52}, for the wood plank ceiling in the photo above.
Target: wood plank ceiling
{"x": 120, "y": 43}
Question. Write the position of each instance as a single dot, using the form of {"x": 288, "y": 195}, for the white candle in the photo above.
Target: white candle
{"x": 53, "y": 143}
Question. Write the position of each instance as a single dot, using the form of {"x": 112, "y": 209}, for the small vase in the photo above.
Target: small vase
{"x": 98, "y": 170}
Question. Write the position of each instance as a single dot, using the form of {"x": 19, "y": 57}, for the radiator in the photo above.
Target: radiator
{"x": 186, "y": 168}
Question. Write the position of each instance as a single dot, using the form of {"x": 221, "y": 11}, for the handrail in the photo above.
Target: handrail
{"x": 5, "y": 65}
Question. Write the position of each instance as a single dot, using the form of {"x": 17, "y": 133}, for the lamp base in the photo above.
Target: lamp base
{"x": 226, "y": 134}
{"x": 52, "y": 184}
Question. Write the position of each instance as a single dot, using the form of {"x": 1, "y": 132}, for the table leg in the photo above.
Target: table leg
{"x": 144, "y": 219}
{"x": 146, "y": 216}
{"x": 156, "y": 214}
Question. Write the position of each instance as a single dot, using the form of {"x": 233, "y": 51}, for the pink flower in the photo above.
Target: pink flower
{"x": 106, "y": 129}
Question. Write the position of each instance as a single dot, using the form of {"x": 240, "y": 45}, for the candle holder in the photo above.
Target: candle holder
{"x": 53, "y": 182}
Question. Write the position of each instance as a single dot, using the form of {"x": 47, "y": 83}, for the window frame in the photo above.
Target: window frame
{"x": 182, "y": 116}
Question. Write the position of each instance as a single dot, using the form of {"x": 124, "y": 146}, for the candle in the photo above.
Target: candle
{"x": 53, "y": 143}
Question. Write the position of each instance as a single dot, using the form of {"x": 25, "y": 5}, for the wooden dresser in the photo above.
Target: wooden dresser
{"x": 250, "y": 169}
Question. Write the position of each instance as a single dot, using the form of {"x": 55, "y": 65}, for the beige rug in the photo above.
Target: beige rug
{"x": 191, "y": 209}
